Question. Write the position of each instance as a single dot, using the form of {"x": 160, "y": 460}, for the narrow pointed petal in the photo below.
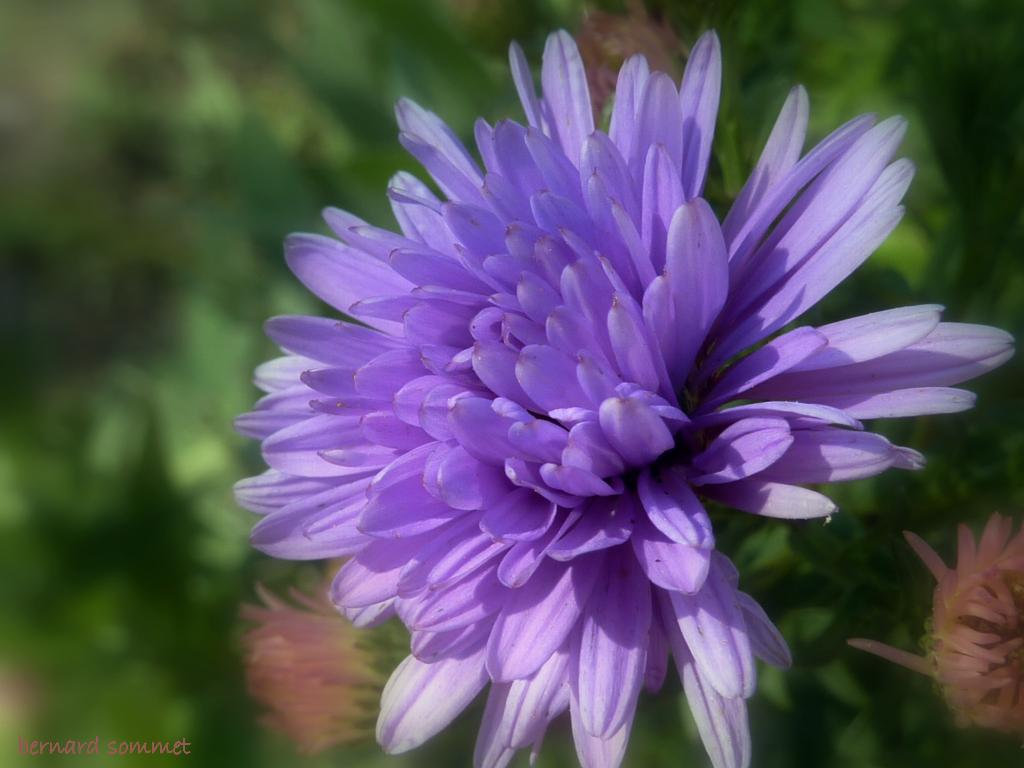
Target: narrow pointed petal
{"x": 421, "y": 699}
{"x": 597, "y": 751}
{"x": 874, "y": 335}
{"x": 519, "y": 516}
{"x": 634, "y": 430}
{"x": 761, "y": 497}
{"x": 339, "y": 274}
{"x": 743, "y": 449}
{"x": 712, "y": 625}
{"x": 524, "y": 85}
{"x": 721, "y": 721}
{"x": 698, "y": 99}
{"x": 566, "y": 94}
{"x": 674, "y": 509}
{"x": 765, "y": 638}
{"x": 604, "y": 523}
{"x": 669, "y": 564}
{"x": 538, "y": 617}
{"x": 774, "y": 358}
{"x": 779, "y": 155}
{"x": 328, "y": 341}
{"x": 698, "y": 270}
{"x": 613, "y": 645}
{"x": 425, "y": 125}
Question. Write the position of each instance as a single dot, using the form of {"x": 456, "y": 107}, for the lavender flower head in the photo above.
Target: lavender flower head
{"x": 559, "y": 361}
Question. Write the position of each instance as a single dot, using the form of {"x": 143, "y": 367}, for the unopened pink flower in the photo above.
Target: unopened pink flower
{"x": 303, "y": 664}
{"x": 976, "y": 649}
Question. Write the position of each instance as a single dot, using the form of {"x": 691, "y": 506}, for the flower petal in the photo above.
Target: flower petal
{"x": 566, "y": 94}
{"x": 613, "y": 645}
{"x": 538, "y": 616}
{"x": 421, "y": 699}
{"x": 697, "y": 266}
{"x": 714, "y": 630}
{"x": 698, "y": 98}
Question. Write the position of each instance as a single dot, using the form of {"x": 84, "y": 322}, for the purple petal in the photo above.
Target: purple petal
{"x": 539, "y": 439}
{"x": 659, "y": 120}
{"x": 952, "y": 353}
{"x": 387, "y": 373}
{"x": 452, "y": 553}
{"x": 297, "y": 449}
{"x": 661, "y": 196}
{"x": 605, "y": 523}
{"x": 832, "y": 455}
{"x": 674, "y": 509}
{"x": 698, "y": 271}
{"x": 712, "y": 625}
{"x": 759, "y": 497}
{"x": 870, "y": 336}
{"x": 466, "y": 483}
{"x": 721, "y": 722}
{"x": 452, "y": 180}
{"x": 319, "y": 526}
{"x": 456, "y": 605}
{"x": 657, "y": 656}
{"x": 566, "y": 94}
{"x": 629, "y": 91}
{"x": 765, "y": 638}
{"x": 273, "y": 490}
{"x": 774, "y": 358}
{"x": 523, "y": 79}
{"x": 421, "y": 699}
{"x": 373, "y": 615}
{"x": 385, "y": 429}
{"x": 667, "y": 563}
{"x": 698, "y": 98}
{"x": 477, "y": 229}
{"x": 548, "y": 377}
{"x": 481, "y": 431}
{"x": 418, "y": 212}
{"x": 399, "y": 504}
{"x": 613, "y": 645}
{"x": 328, "y": 341}
{"x": 634, "y": 430}
{"x": 917, "y": 401}
{"x": 597, "y": 751}
{"x": 795, "y": 287}
{"x": 423, "y": 267}
{"x": 528, "y": 702}
{"x": 775, "y": 409}
{"x": 589, "y": 449}
{"x": 603, "y": 159}
{"x": 523, "y": 559}
{"x": 495, "y": 365}
{"x": 281, "y": 372}
{"x": 538, "y": 616}
{"x": 742, "y": 449}
{"x": 372, "y": 575}
{"x": 338, "y": 274}
{"x": 426, "y": 126}
{"x": 430, "y": 647}
{"x": 753, "y": 228}
{"x": 629, "y": 343}
{"x": 522, "y": 515}
{"x": 780, "y": 154}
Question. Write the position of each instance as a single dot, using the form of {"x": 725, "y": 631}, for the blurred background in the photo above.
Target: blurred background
{"x": 153, "y": 155}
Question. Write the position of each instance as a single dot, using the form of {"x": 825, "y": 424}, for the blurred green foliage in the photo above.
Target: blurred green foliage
{"x": 154, "y": 154}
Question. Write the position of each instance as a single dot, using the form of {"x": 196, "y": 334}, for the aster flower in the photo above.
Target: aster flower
{"x": 303, "y": 663}
{"x": 976, "y": 643}
{"x": 563, "y": 357}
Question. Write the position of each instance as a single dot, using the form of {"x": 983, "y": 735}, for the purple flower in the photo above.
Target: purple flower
{"x": 561, "y": 359}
